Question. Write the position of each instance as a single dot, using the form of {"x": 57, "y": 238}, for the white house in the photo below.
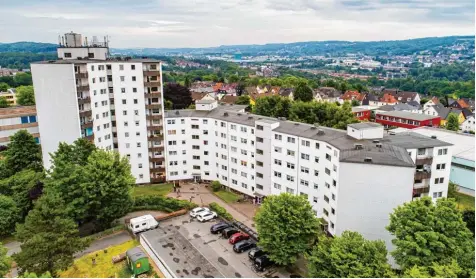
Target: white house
{"x": 468, "y": 124}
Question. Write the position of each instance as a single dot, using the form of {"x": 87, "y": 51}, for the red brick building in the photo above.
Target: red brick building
{"x": 407, "y": 120}
{"x": 361, "y": 113}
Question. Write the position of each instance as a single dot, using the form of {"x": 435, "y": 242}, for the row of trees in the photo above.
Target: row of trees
{"x": 325, "y": 114}
{"x": 85, "y": 191}
{"x": 431, "y": 240}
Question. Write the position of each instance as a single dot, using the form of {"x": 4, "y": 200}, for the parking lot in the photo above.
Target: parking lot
{"x": 190, "y": 250}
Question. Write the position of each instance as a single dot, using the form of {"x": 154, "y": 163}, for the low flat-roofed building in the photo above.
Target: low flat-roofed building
{"x": 405, "y": 119}
{"x": 14, "y": 119}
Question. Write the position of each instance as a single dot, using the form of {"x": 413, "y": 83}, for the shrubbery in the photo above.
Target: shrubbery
{"x": 220, "y": 211}
{"x": 216, "y": 186}
{"x": 160, "y": 203}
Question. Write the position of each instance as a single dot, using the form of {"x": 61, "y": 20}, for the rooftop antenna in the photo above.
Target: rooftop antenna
{"x": 59, "y": 40}
{"x": 86, "y": 41}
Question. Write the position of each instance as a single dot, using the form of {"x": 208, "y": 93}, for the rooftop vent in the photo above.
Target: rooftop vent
{"x": 393, "y": 133}
{"x": 282, "y": 118}
{"x": 433, "y": 137}
{"x": 379, "y": 145}
{"x": 358, "y": 146}
{"x": 296, "y": 124}
{"x": 225, "y": 114}
{"x": 368, "y": 159}
{"x": 239, "y": 114}
{"x": 313, "y": 128}
{"x": 250, "y": 117}
{"x": 375, "y": 141}
{"x": 320, "y": 132}
{"x": 177, "y": 112}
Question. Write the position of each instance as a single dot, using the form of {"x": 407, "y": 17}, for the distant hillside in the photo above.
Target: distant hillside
{"x": 27, "y": 47}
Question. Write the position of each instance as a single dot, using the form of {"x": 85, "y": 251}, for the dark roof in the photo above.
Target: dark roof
{"x": 467, "y": 112}
{"x": 411, "y": 140}
{"x": 444, "y": 112}
{"x": 387, "y": 108}
{"x": 414, "y": 104}
{"x": 408, "y": 115}
{"x": 135, "y": 253}
{"x": 285, "y": 92}
{"x": 329, "y": 92}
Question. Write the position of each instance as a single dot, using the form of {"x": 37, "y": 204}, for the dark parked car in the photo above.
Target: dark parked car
{"x": 255, "y": 253}
{"x": 262, "y": 263}
{"x": 244, "y": 245}
{"x": 226, "y": 233}
{"x": 217, "y": 228}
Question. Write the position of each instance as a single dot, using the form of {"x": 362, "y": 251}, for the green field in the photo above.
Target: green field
{"x": 152, "y": 190}
{"x": 464, "y": 201}
{"x": 227, "y": 196}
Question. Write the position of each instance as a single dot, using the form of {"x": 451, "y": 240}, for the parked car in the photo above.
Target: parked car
{"x": 226, "y": 233}
{"x": 143, "y": 223}
{"x": 194, "y": 212}
{"x": 217, "y": 228}
{"x": 238, "y": 237}
{"x": 262, "y": 263}
{"x": 255, "y": 253}
{"x": 244, "y": 245}
{"x": 206, "y": 216}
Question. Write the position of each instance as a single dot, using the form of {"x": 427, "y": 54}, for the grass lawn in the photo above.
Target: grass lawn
{"x": 465, "y": 201}
{"x": 153, "y": 190}
{"x": 104, "y": 268}
{"x": 227, "y": 196}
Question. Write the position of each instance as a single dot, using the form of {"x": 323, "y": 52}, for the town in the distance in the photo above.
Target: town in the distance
{"x": 319, "y": 159}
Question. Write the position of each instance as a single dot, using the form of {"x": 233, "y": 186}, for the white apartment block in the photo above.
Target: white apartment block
{"x": 115, "y": 103}
{"x": 352, "y": 179}
{"x": 14, "y": 119}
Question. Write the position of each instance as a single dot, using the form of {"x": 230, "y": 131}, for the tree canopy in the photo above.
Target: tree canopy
{"x": 5, "y": 261}
{"x": 25, "y": 95}
{"x": 3, "y": 102}
{"x": 452, "y": 123}
{"x": 348, "y": 256}
{"x": 179, "y": 95}
{"x": 287, "y": 227}
{"x": 23, "y": 153}
{"x": 303, "y": 93}
{"x": 243, "y": 100}
{"x": 8, "y": 215}
{"x": 427, "y": 233}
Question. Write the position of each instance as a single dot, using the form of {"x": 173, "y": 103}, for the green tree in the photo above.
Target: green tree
{"x": 450, "y": 270}
{"x": 355, "y": 103}
{"x": 23, "y": 79}
{"x": 4, "y": 102}
{"x": 348, "y": 256}
{"x": 287, "y": 227}
{"x": 274, "y": 106}
{"x": 8, "y": 215}
{"x": 49, "y": 237}
{"x": 179, "y": 95}
{"x": 4, "y": 86}
{"x": 243, "y": 100}
{"x": 25, "y": 95}
{"x": 216, "y": 186}
{"x": 187, "y": 83}
{"x": 23, "y": 153}
{"x": 427, "y": 233}
{"x": 5, "y": 262}
{"x": 468, "y": 218}
{"x": 168, "y": 105}
{"x": 452, "y": 123}
{"x": 303, "y": 93}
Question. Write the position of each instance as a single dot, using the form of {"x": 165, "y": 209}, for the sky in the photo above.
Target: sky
{"x": 203, "y": 23}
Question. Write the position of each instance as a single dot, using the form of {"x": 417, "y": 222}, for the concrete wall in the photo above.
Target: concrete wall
{"x": 462, "y": 173}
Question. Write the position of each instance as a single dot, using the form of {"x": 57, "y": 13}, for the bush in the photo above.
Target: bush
{"x": 216, "y": 186}
{"x": 220, "y": 211}
{"x": 160, "y": 203}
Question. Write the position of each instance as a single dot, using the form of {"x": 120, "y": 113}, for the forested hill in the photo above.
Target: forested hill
{"x": 28, "y": 47}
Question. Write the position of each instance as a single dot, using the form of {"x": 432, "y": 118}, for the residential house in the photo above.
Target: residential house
{"x": 351, "y": 95}
{"x": 196, "y": 96}
{"x": 370, "y": 99}
{"x": 256, "y": 96}
{"x": 328, "y": 94}
{"x": 228, "y": 99}
{"x": 388, "y": 99}
{"x": 444, "y": 113}
{"x": 468, "y": 124}
{"x": 404, "y": 96}
{"x": 286, "y": 92}
{"x": 362, "y": 113}
{"x": 433, "y": 101}
{"x": 463, "y": 103}
{"x": 469, "y": 102}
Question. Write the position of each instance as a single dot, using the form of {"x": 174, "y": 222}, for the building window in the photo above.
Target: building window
{"x": 277, "y": 149}
{"x": 290, "y": 178}
{"x": 277, "y": 174}
{"x": 121, "y": 67}
{"x": 291, "y": 140}
{"x": 290, "y": 152}
{"x": 304, "y": 182}
{"x": 328, "y": 171}
{"x": 290, "y": 165}
{"x": 328, "y": 157}
{"x": 316, "y": 186}
{"x": 305, "y": 143}
{"x": 421, "y": 151}
{"x": 314, "y": 199}
{"x": 304, "y": 170}
{"x": 317, "y": 145}
{"x": 277, "y": 162}
{"x": 134, "y": 78}
{"x": 326, "y": 199}
{"x": 289, "y": 190}
{"x": 278, "y": 137}
{"x": 304, "y": 156}
{"x": 439, "y": 180}
{"x": 259, "y": 127}
{"x": 277, "y": 186}
{"x": 443, "y": 151}
{"x": 140, "y": 166}
{"x": 440, "y": 166}
{"x": 437, "y": 195}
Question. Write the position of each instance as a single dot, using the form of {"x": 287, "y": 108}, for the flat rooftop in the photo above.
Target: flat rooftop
{"x": 408, "y": 115}
{"x": 365, "y": 125}
{"x": 17, "y": 111}
{"x": 112, "y": 60}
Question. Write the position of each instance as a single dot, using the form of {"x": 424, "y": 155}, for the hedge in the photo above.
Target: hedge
{"x": 220, "y": 211}
{"x": 160, "y": 203}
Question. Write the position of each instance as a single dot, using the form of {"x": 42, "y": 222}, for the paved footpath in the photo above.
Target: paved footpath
{"x": 203, "y": 197}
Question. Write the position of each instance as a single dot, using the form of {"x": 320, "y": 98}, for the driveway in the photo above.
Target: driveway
{"x": 105, "y": 242}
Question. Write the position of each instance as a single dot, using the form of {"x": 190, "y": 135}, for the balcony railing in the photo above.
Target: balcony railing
{"x": 81, "y": 75}
{"x": 90, "y": 138}
{"x": 151, "y": 73}
{"x": 152, "y": 95}
{"x": 156, "y": 148}
{"x": 85, "y": 113}
{"x": 81, "y": 88}
{"x": 157, "y": 169}
{"x": 153, "y": 106}
{"x": 424, "y": 161}
{"x": 419, "y": 191}
{"x": 85, "y": 125}
{"x": 419, "y": 175}
{"x": 152, "y": 83}
{"x": 156, "y": 160}
{"x": 157, "y": 179}
{"x": 153, "y": 117}
{"x": 154, "y": 128}
{"x": 84, "y": 100}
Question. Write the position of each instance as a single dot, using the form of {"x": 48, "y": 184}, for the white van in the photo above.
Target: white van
{"x": 143, "y": 223}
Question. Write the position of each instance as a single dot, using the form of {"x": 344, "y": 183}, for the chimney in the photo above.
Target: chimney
{"x": 368, "y": 159}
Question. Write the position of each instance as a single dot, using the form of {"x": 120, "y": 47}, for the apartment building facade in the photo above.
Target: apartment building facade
{"x": 115, "y": 103}
{"x": 14, "y": 119}
{"x": 404, "y": 119}
{"x": 353, "y": 179}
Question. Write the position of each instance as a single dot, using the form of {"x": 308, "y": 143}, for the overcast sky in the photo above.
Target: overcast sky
{"x": 201, "y": 23}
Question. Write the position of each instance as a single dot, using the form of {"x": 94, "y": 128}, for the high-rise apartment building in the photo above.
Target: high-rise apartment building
{"x": 353, "y": 179}
{"x": 115, "y": 103}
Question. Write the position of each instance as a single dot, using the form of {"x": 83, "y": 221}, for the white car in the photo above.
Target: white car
{"x": 206, "y": 216}
{"x": 194, "y": 212}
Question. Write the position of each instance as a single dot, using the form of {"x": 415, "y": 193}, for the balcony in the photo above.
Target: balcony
{"x": 424, "y": 161}
{"x": 157, "y": 169}
{"x": 420, "y": 175}
{"x": 153, "y": 117}
{"x": 151, "y": 73}
{"x": 418, "y": 191}
{"x": 157, "y": 179}
{"x": 86, "y": 125}
{"x": 84, "y": 100}
{"x": 156, "y": 137}
{"x": 156, "y": 160}
{"x": 152, "y": 83}
{"x": 82, "y": 88}
{"x": 153, "y": 95}
{"x": 154, "y": 128}
{"x": 90, "y": 138}
{"x": 81, "y": 75}
{"x": 153, "y": 106}
{"x": 156, "y": 149}
{"x": 85, "y": 113}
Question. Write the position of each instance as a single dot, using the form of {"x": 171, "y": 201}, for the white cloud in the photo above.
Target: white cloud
{"x": 194, "y": 23}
